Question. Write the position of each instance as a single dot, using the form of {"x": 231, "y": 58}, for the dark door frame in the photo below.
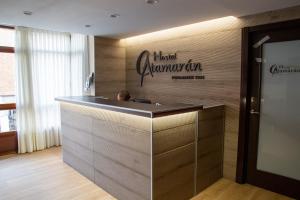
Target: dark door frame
{"x": 241, "y": 172}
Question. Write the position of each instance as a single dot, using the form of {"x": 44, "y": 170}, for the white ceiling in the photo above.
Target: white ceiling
{"x": 137, "y": 17}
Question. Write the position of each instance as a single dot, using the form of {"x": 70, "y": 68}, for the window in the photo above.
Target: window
{"x": 7, "y": 79}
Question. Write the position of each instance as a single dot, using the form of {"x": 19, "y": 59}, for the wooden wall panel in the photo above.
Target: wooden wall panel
{"x": 175, "y": 182}
{"x": 172, "y": 138}
{"x": 109, "y": 149}
{"x": 210, "y": 146}
{"x": 174, "y": 156}
{"x": 174, "y": 159}
{"x": 80, "y": 137}
{"x": 115, "y": 189}
{"x": 131, "y": 159}
{"x": 109, "y": 67}
{"x": 77, "y": 142}
{"x": 116, "y": 118}
{"x": 124, "y": 176}
{"x": 76, "y": 149}
{"x": 8, "y": 142}
{"x": 219, "y": 54}
{"x": 81, "y": 166}
{"x": 126, "y": 136}
{"x": 218, "y": 47}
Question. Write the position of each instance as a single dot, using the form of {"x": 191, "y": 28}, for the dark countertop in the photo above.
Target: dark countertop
{"x": 141, "y": 109}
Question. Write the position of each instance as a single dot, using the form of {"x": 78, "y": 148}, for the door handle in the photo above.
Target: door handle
{"x": 254, "y": 112}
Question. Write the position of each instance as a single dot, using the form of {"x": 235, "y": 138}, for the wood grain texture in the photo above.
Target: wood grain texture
{"x": 220, "y": 58}
{"x": 111, "y": 148}
{"x": 8, "y": 142}
{"x": 174, "y": 182}
{"x": 172, "y": 138}
{"x": 77, "y": 136}
{"x": 174, "y": 159}
{"x": 210, "y": 146}
{"x": 7, "y": 106}
{"x": 227, "y": 189}
{"x": 173, "y": 141}
{"x": 139, "y": 162}
{"x": 126, "y": 177}
{"x": 43, "y": 175}
{"x": 109, "y": 67}
{"x": 78, "y": 150}
{"x": 111, "y": 145}
{"x": 115, "y": 189}
{"x": 125, "y": 136}
{"x": 218, "y": 47}
{"x": 77, "y": 142}
{"x": 124, "y": 120}
{"x": 209, "y": 177}
{"x": 108, "y": 149}
{"x": 79, "y": 164}
{"x": 168, "y": 122}
{"x": 36, "y": 175}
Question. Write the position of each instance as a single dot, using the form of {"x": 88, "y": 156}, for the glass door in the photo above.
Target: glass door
{"x": 279, "y": 123}
{"x": 274, "y": 111}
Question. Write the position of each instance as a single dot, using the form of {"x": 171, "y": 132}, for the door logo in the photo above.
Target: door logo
{"x": 278, "y": 69}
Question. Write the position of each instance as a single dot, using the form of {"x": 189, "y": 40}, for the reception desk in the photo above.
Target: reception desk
{"x": 138, "y": 151}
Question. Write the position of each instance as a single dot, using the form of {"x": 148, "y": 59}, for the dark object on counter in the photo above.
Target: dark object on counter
{"x": 123, "y": 95}
{"x": 142, "y": 101}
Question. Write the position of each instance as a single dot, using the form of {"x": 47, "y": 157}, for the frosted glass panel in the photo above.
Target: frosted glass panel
{"x": 279, "y": 131}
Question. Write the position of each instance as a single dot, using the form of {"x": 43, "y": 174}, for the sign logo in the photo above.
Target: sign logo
{"x": 278, "y": 69}
{"x": 161, "y": 64}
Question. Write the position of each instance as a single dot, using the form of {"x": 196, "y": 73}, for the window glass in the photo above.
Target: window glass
{"x": 7, "y": 37}
{"x": 7, "y": 77}
{"x": 7, "y": 120}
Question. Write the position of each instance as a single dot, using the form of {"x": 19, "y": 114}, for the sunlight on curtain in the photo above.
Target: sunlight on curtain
{"x": 79, "y": 58}
{"x": 46, "y": 68}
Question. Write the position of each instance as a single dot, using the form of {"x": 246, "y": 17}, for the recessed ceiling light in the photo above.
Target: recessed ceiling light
{"x": 116, "y": 15}
{"x": 152, "y": 2}
{"x": 87, "y": 26}
{"x": 27, "y": 13}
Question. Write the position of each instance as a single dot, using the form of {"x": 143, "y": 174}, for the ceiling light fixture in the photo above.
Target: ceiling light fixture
{"x": 27, "y": 13}
{"x": 116, "y": 15}
{"x": 152, "y": 2}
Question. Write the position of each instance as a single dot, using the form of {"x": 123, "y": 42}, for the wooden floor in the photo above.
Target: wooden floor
{"x": 228, "y": 190}
{"x": 42, "y": 176}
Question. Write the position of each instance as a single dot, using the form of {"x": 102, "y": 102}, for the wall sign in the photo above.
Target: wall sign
{"x": 165, "y": 63}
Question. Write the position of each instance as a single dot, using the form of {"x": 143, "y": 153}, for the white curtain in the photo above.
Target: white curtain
{"x": 48, "y": 64}
{"x": 79, "y": 58}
